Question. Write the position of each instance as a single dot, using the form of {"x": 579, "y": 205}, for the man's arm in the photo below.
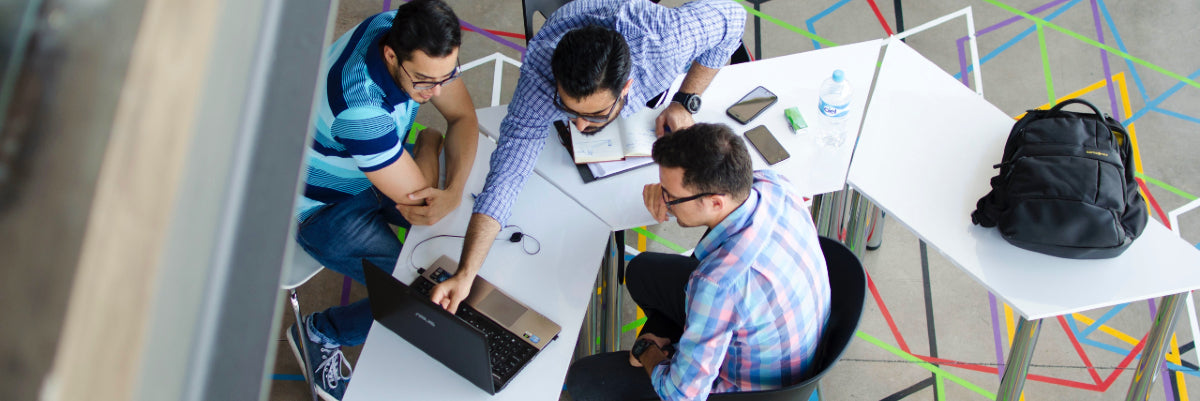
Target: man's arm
{"x": 377, "y": 151}
{"x": 707, "y": 333}
{"x": 716, "y": 27}
{"x": 695, "y": 82}
{"x": 522, "y": 135}
{"x": 481, "y": 232}
{"x": 462, "y": 137}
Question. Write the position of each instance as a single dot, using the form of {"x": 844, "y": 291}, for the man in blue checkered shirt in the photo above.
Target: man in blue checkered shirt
{"x": 592, "y": 62}
{"x": 746, "y": 311}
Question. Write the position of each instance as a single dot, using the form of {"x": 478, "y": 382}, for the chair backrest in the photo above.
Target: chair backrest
{"x": 546, "y": 7}
{"x": 848, "y": 291}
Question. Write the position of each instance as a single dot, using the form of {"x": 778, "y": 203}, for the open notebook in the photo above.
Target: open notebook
{"x": 624, "y": 137}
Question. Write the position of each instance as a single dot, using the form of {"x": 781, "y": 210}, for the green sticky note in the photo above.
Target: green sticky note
{"x": 795, "y": 119}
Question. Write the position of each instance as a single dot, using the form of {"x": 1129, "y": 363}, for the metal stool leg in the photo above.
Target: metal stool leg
{"x": 302, "y": 332}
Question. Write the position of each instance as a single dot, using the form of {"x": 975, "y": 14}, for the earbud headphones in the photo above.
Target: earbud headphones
{"x": 529, "y": 243}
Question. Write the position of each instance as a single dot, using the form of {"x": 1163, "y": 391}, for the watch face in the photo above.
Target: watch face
{"x": 693, "y": 104}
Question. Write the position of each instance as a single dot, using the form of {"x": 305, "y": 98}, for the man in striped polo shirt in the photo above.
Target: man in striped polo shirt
{"x": 361, "y": 174}
{"x": 746, "y": 312}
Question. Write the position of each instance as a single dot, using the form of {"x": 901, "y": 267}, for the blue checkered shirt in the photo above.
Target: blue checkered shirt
{"x": 756, "y": 304}
{"x": 663, "y": 43}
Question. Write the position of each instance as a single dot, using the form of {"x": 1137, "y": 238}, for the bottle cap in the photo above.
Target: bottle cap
{"x": 838, "y": 75}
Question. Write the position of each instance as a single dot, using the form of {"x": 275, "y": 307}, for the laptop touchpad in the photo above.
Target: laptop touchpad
{"x": 500, "y": 308}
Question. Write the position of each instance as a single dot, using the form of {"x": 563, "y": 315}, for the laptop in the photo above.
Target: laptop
{"x": 489, "y": 340}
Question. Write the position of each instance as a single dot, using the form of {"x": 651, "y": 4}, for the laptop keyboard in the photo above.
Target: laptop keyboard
{"x": 508, "y": 352}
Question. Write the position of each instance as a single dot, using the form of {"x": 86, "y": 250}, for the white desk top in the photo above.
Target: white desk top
{"x": 794, "y": 78}
{"x": 925, "y": 156}
{"x": 557, "y": 282}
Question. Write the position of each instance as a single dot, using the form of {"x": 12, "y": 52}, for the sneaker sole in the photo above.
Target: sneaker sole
{"x": 324, "y": 396}
{"x": 296, "y": 352}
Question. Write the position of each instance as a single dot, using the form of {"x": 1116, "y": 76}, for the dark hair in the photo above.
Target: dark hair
{"x": 426, "y": 25}
{"x": 589, "y": 59}
{"x": 712, "y": 157}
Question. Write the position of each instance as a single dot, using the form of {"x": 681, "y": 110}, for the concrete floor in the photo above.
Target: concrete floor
{"x": 956, "y": 322}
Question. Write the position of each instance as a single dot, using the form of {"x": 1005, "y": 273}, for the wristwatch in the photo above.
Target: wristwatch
{"x": 689, "y": 101}
{"x": 641, "y": 346}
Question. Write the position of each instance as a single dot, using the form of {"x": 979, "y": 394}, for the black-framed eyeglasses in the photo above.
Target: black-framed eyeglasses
{"x": 670, "y": 203}
{"x": 427, "y": 85}
{"x": 572, "y": 114}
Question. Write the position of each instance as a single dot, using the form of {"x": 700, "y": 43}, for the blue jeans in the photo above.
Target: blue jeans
{"x": 340, "y": 236}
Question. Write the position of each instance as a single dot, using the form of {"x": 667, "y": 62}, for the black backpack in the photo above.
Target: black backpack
{"x": 1066, "y": 186}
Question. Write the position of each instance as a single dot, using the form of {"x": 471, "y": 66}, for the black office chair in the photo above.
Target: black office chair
{"x": 848, "y": 287}
{"x": 546, "y": 7}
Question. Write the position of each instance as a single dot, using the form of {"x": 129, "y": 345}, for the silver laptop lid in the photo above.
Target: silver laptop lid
{"x": 524, "y": 322}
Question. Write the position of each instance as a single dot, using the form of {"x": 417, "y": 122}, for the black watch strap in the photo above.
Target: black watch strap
{"x": 689, "y": 101}
{"x": 641, "y": 346}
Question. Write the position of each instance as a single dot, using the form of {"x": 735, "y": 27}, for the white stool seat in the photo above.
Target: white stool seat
{"x": 302, "y": 268}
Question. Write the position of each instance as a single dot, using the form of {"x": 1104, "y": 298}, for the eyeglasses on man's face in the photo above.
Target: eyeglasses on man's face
{"x": 670, "y": 203}
{"x": 592, "y": 118}
{"x": 427, "y": 85}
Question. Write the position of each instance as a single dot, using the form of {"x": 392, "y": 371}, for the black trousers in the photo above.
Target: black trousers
{"x": 657, "y": 283}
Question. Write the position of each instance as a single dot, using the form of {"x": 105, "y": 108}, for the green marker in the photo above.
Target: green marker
{"x": 795, "y": 120}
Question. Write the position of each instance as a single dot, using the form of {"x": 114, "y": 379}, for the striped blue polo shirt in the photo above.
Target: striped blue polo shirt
{"x": 361, "y": 120}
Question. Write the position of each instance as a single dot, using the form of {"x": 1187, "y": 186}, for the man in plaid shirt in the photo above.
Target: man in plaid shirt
{"x": 745, "y": 313}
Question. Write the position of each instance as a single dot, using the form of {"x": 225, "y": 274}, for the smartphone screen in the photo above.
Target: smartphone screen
{"x": 751, "y": 105}
{"x": 766, "y": 145}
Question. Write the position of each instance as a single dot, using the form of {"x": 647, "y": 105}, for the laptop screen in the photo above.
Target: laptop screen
{"x": 428, "y": 327}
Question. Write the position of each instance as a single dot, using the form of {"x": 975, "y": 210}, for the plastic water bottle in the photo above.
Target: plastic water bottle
{"x": 834, "y": 109}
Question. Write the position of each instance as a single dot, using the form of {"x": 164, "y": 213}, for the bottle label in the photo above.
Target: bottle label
{"x": 835, "y": 111}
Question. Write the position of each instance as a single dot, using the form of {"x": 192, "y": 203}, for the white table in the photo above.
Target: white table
{"x": 557, "y": 282}
{"x": 794, "y": 78}
{"x": 925, "y": 156}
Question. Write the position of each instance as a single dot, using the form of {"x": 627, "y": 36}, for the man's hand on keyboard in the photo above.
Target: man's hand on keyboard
{"x": 451, "y": 292}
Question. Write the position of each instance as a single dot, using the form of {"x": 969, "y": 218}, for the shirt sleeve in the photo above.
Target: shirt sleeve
{"x": 690, "y": 373}
{"x": 523, "y": 134}
{"x": 717, "y": 26}
{"x": 369, "y": 135}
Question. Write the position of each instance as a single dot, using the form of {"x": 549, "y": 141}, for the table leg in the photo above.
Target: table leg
{"x": 828, "y": 212}
{"x": 612, "y": 296}
{"x": 589, "y": 334}
{"x": 845, "y": 216}
{"x": 859, "y": 223}
{"x": 1153, "y": 353}
{"x": 1019, "y": 357}
{"x": 602, "y": 324}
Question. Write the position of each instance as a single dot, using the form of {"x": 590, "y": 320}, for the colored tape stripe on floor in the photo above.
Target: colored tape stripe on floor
{"x": 1087, "y": 362}
{"x": 824, "y": 13}
{"x": 295, "y": 378}
{"x": 750, "y": 9}
{"x": 1015, "y": 39}
{"x": 634, "y": 325}
{"x": 941, "y": 373}
{"x": 654, "y": 237}
{"x": 879, "y": 16}
{"x": 887, "y": 316}
{"x": 1106, "y": 329}
{"x": 1092, "y": 42}
{"x": 1112, "y": 94}
{"x": 1102, "y": 320}
{"x": 1041, "y": 34}
{"x": 1163, "y": 185}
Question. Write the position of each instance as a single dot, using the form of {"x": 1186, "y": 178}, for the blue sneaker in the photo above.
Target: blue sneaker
{"x": 327, "y": 376}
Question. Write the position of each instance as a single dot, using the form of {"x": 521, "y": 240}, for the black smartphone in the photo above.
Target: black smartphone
{"x": 766, "y": 145}
{"x": 751, "y": 105}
